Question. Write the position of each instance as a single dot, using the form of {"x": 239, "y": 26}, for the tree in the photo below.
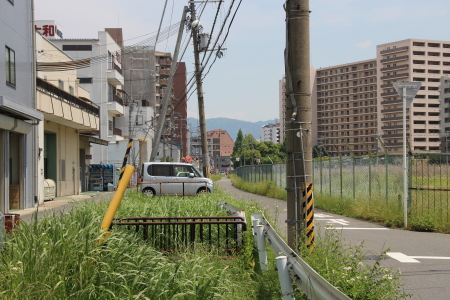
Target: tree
{"x": 237, "y": 150}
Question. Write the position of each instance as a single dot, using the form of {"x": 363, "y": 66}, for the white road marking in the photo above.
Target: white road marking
{"x": 322, "y": 216}
{"x": 357, "y": 228}
{"x": 412, "y": 259}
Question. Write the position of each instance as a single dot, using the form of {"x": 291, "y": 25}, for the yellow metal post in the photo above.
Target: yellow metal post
{"x": 308, "y": 214}
{"x": 115, "y": 202}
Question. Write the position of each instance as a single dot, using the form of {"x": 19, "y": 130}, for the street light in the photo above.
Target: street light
{"x": 406, "y": 90}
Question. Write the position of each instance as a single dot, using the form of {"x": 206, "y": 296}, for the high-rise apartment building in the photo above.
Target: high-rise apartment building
{"x": 270, "y": 133}
{"x": 357, "y": 105}
{"x": 416, "y": 60}
{"x": 346, "y": 101}
{"x": 445, "y": 113}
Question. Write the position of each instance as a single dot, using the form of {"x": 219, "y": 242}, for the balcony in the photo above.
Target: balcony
{"x": 398, "y": 135}
{"x": 391, "y": 110}
{"x": 165, "y": 62}
{"x": 393, "y": 127}
{"x": 399, "y": 118}
{"x": 164, "y": 72}
{"x": 115, "y": 105}
{"x": 394, "y": 50}
{"x": 64, "y": 108}
{"x": 388, "y": 85}
{"x": 163, "y": 82}
{"x": 392, "y": 59}
{"x": 389, "y": 94}
{"x": 399, "y": 67}
{"x": 394, "y": 76}
{"x": 117, "y": 131}
{"x": 114, "y": 75}
{"x": 396, "y": 101}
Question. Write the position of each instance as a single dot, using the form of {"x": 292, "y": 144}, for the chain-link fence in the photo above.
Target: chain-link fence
{"x": 378, "y": 177}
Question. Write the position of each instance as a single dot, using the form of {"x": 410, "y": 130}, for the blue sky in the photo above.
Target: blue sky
{"x": 243, "y": 84}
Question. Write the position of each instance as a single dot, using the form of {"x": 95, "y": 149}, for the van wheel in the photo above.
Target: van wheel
{"x": 148, "y": 192}
{"x": 202, "y": 191}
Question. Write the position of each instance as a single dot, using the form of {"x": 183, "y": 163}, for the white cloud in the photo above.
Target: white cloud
{"x": 364, "y": 45}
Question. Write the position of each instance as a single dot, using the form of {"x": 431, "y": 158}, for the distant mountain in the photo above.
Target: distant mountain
{"x": 232, "y": 126}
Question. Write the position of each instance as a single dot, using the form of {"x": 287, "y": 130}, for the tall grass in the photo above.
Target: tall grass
{"x": 57, "y": 257}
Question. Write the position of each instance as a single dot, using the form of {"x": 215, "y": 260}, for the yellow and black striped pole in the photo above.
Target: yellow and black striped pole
{"x": 308, "y": 214}
{"x": 125, "y": 158}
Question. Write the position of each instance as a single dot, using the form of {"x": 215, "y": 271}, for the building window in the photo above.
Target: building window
{"x": 85, "y": 80}
{"x": 77, "y": 47}
{"x": 60, "y": 84}
{"x": 71, "y": 90}
{"x": 10, "y": 66}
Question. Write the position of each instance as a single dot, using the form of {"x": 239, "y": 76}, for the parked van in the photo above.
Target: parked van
{"x": 168, "y": 178}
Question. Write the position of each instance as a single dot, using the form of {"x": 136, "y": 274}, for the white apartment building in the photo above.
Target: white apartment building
{"x": 103, "y": 79}
{"x": 270, "y": 133}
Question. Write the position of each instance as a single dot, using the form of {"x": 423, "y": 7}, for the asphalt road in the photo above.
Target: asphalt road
{"x": 423, "y": 258}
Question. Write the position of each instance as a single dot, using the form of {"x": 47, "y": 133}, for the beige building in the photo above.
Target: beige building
{"x": 346, "y": 101}
{"x": 63, "y": 151}
{"x": 416, "y": 60}
{"x": 445, "y": 114}
{"x": 357, "y": 105}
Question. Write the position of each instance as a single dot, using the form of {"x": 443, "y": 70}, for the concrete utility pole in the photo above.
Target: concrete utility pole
{"x": 298, "y": 124}
{"x": 201, "y": 106}
{"x": 173, "y": 67}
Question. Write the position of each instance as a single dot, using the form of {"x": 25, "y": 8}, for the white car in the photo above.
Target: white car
{"x": 168, "y": 178}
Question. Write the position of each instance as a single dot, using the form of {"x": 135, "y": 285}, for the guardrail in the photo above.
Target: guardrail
{"x": 291, "y": 268}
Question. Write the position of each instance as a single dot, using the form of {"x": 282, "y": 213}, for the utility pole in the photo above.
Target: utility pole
{"x": 173, "y": 67}
{"x": 201, "y": 105}
{"x": 300, "y": 205}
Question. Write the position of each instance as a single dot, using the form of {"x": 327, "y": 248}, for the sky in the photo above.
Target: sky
{"x": 244, "y": 83}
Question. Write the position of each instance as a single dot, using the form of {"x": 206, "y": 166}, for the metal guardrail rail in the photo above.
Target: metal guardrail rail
{"x": 291, "y": 268}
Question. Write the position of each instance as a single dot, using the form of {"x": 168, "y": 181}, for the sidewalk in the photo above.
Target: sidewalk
{"x": 64, "y": 203}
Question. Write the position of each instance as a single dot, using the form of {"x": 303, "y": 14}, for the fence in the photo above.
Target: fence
{"x": 183, "y": 233}
{"x": 378, "y": 177}
{"x": 292, "y": 270}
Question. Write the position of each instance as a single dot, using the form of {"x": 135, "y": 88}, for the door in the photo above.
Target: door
{"x": 183, "y": 181}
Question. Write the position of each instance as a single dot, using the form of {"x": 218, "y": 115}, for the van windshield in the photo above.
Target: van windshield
{"x": 197, "y": 173}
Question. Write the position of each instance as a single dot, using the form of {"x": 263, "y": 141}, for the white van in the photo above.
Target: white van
{"x": 168, "y": 178}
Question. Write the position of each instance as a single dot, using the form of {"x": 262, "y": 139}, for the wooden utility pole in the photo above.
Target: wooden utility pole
{"x": 298, "y": 125}
{"x": 201, "y": 105}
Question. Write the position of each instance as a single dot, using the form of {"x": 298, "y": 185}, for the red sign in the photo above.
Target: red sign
{"x": 49, "y": 30}
{"x": 88, "y": 156}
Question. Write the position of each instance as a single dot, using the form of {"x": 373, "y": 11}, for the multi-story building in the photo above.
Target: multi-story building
{"x": 138, "y": 68}
{"x": 357, "y": 105}
{"x": 67, "y": 110}
{"x": 416, "y": 60}
{"x": 19, "y": 146}
{"x": 179, "y": 118}
{"x": 270, "y": 133}
{"x": 346, "y": 108}
{"x": 103, "y": 79}
{"x": 445, "y": 113}
{"x": 222, "y": 148}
